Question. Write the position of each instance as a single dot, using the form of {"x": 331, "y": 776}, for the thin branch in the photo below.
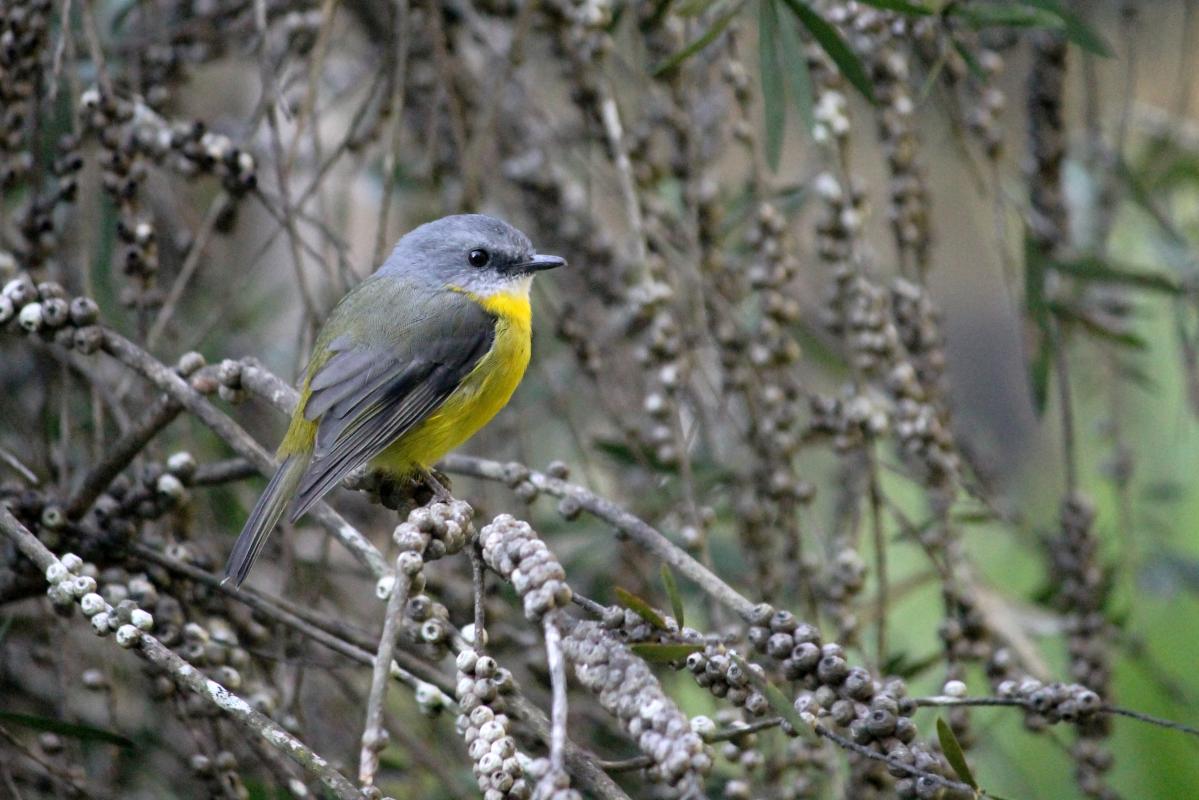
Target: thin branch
{"x": 874, "y": 755}
{"x": 190, "y": 263}
{"x": 942, "y": 701}
{"x": 610, "y": 116}
{"x": 227, "y": 471}
{"x": 624, "y": 521}
{"x": 732, "y": 732}
{"x": 95, "y": 49}
{"x": 880, "y": 558}
{"x": 276, "y": 610}
{"x": 186, "y": 675}
{"x": 374, "y": 737}
{"x": 270, "y": 93}
{"x": 121, "y": 453}
{"x": 478, "y": 573}
{"x": 399, "y": 76}
{"x": 557, "y": 667}
{"x": 22, "y": 470}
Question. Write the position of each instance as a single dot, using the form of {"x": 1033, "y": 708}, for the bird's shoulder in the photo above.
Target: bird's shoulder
{"x": 389, "y": 312}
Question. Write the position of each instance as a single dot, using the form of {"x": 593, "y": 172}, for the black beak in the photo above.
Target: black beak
{"x": 537, "y": 263}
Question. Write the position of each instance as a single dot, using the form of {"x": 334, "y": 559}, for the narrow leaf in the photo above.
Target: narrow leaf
{"x": 974, "y": 516}
{"x": 911, "y": 9}
{"x": 1074, "y": 27}
{"x": 1038, "y": 376}
{"x": 796, "y": 69}
{"x": 640, "y": 607}
{"x": 672, "y": 591}
{"x": 693, "y": 8}
{"x": 664, "y": 653}
{"x": 836, "y": 47}
{"x": 976, "y": 69}
{"x": 1095, "y": 268}
{"x": 621, "y": 452}
{"x": 772, "y": 82}
{"x": 903, "y": 666}
{"x": 73, "y": 730}
{"x": 986, "y": 15}
{"x": 1093, "y": 326}
{"x": 954, "y": 755}
{"x": 703, "y": 41}
{"x": 1037, "y": 311}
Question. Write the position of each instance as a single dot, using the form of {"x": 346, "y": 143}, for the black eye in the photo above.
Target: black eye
{"x": 478, "y": 258}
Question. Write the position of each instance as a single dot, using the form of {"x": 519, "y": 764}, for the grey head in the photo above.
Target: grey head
{"x": 472, "y": 252}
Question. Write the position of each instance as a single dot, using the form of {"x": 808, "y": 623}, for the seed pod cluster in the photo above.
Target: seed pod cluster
{"x": 1081, "y": 591}
{"x": 46, "y": 310}
{"x": 717, "y": 669}
{"x": 552, "y": 784}
{"x": 24, "y": 56}
{"x": 511, "y": 548}
{"x": 628, "y": 689}
{"x": 873, "y": 713}
{"x": 484, "y": 726}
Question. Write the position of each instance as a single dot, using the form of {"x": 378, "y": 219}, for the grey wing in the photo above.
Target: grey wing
{"x": 365, "y": 397}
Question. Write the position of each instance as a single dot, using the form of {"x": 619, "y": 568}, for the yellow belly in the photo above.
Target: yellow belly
{"x": 480, "y": 396}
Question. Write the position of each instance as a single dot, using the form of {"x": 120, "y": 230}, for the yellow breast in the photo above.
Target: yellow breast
{"x": 482, "y": 393}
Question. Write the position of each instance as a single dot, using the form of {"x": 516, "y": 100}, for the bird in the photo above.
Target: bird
{"x": 411, "y": 363}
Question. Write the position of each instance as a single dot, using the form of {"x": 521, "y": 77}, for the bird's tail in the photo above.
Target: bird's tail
{"x": 270, "y": 507}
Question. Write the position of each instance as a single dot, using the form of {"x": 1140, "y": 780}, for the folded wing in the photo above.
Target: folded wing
{"x": 364, "y": 397}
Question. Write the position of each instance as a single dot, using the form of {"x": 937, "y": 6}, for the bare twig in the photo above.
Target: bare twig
{"x": 277, "y": 609}
{"x": 121, "y": 453}
{"x": 186, "y": 675}
{"x": 557, "y": 666}
{"x": 374, "y": 736}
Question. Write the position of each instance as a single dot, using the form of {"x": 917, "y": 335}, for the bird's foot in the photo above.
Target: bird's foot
{"x": 402, "y": 494}
{"x": 438, "y": 483}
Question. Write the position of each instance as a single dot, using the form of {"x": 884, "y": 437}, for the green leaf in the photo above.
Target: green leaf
{"x": 257, "y": 790}
{"x": 841, "y": 54}
{"x": 976, "y": 69}
{"x": 1038, "y": 375}
{"x": 1048, "y": 14}
{"x": 777, "y": 700}
{"x": 1124, "y": 338}
{"x": 703, "y": 41}
{"x": 954, "y": 755}
{"x": 642, "y": 608}
{"x": 974, "y": 516}
{"x": 1165, "y": 491}
{"x": 672, "y": 591}
{"x": 1074, "y": 27}
{"x": 1143, "y": 197}
{"x": 796, "y": 70}
{"x": 624, "y": 454}
{"x": 772, "y": 82}
{"x": 693, "y": 8}
{"x": 1037, "y": 311}
{"x": 912, "y": 9}
{"x": 904, "y": 666}
{"x": 1095, "y": 268}
{"x": 84, "y": 733}
{"x": 988, "y": 15}
{"x": 664, "y": 653}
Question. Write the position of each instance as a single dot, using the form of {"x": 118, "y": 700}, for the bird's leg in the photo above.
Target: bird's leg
{"x": 437, "y": 481}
